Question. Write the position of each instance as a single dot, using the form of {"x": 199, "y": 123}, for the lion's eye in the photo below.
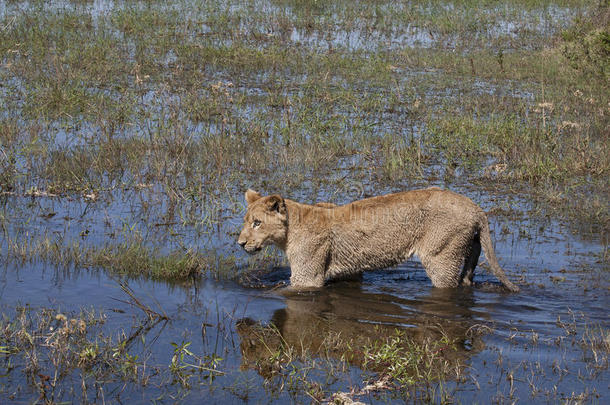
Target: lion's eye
{"x": 256, "y": 223}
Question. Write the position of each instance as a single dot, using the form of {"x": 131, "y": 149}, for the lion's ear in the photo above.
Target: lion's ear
{"x": 252, "y": 196}
{"x": 275, "y": 203}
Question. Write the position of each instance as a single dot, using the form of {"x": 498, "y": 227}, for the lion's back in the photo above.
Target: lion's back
{"x": 384, "y": 231}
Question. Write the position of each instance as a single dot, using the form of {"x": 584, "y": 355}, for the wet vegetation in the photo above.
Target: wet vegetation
{"x": 130, "y": 129}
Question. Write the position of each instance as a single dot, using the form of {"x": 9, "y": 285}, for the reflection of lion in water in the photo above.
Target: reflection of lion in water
{"x": 444, "y": 229}
{"x": 341, "y": 322}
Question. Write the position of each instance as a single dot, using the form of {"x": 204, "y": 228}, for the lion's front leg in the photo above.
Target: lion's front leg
{"x": 297, "y": 281}
{"x": 309, "y": 271}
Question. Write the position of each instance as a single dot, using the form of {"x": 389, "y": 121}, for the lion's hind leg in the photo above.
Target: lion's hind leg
{"x": 450, "y": 258}
{"x": 443, "y": 270}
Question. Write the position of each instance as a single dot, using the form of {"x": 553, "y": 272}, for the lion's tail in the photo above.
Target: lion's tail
{"x": 490, "y": 254}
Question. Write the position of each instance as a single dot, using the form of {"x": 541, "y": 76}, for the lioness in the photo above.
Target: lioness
{"x": 324, "y": 241}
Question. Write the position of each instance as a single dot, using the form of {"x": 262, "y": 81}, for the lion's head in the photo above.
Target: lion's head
{"x": 265, "y": 222}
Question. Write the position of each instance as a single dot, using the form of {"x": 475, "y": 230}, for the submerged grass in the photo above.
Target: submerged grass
{"x": 55, "y": 350}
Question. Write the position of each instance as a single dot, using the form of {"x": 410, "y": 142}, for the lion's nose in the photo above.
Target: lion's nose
{"x": 242, "y": 244}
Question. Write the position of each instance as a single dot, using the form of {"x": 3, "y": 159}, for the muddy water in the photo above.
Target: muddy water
{"x": 534, "y": 335}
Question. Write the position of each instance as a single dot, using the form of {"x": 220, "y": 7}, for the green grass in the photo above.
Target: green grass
{"x": 407, "y": 362}
{"x": 216, "y": 97}
{"x": 132, "y": 258}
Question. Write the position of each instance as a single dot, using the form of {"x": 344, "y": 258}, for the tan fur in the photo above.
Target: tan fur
{"x": 444, "y": 229}
{"x": 325, "y": 205}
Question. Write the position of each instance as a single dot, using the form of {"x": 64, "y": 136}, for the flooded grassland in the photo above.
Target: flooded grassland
{"x": 130, "y": 129}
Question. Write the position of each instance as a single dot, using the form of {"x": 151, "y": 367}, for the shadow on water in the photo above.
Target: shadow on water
{"x": 346, "y": 318}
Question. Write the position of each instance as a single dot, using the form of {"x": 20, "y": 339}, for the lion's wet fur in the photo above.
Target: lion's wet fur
{"x": 444, "y": 229}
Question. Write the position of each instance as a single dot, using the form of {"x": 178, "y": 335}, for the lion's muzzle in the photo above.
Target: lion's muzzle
{"x": 249, "y": 248}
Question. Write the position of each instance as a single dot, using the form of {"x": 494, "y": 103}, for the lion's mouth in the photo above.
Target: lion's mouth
{"x": 252, "y": 250}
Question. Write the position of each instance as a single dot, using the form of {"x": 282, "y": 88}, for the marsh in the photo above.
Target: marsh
{"x": 129, "y": 130}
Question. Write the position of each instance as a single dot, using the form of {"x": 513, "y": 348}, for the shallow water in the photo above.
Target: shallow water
{"x": 394, "y": 298}
{"x": 543, "y": 344}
